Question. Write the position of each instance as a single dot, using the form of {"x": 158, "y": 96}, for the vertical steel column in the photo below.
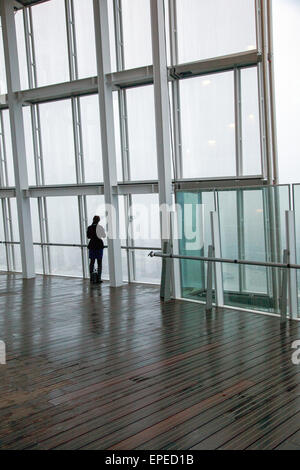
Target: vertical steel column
{"x": 108, "y": 141}
{"x": 162, "y": 110}
{"x": 124, "y": 136}
{"x": 18, "y": 137}
{"x": 162, "y": 120}
{"x": 261, "y": 99}
{"x": 272, "y": 92}
{"x": 266, "y": 91}
{"x": 176, "y": 279}
{"x": 77, "y": 131}
{"x": 217, "y": 268}
{"x": 37, "y": 139}
{"x": 175, "y": 91}
{"x": 292, "y": 274}
{"x": 239, "y": 172}
{"x": 163, "y": 131}
{"x": 6, "y": 206}
{"x": 271, "y": 167}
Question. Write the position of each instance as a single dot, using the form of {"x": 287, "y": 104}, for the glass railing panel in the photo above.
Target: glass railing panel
{"x": 243, "y": 237}
{"x": 296, "y": 198}
{"x": 194, "y": 239}
{"x": 252, "y": 227}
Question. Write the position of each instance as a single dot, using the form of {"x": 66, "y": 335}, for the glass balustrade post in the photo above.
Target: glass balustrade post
{"x": 218, "y": 274}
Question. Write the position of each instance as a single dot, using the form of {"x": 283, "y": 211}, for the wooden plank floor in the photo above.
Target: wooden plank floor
{"x": 98, "y": 368}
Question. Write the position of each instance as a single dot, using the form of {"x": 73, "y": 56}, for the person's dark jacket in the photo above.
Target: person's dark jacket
{"x": 95, "y": 242}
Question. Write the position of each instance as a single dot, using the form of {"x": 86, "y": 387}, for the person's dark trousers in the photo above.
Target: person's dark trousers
{"x": 92, "y": 266}
{"x": 99, "y": 262}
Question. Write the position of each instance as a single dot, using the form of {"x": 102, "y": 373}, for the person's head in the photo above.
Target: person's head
{"x": 96, "y": 219}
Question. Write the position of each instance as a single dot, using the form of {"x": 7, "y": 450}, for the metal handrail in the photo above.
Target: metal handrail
{"x": 226, "y": 260}
{"x": 69, "y": 245}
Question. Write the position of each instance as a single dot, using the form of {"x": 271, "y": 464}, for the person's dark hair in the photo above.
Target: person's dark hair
{"x": 96, "y": 219}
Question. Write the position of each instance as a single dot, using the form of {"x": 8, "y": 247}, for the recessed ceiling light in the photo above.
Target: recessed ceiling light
{"x": 206, "y": 82}
{"x": 231, "y": 125}
{"x": 212, "y": 142}
{"x": 251, "y": 47}
{"x": 251, "y": 116}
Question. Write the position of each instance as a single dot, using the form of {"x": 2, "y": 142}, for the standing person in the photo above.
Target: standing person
{"x": 95, "y": 233}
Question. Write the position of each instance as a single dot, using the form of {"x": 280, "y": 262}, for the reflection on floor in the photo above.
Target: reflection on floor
{"x": 99, "y": 368}
{"x": 244, "y": 300}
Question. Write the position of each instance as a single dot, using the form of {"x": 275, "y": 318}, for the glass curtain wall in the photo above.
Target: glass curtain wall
{"x": 214, "y": 28}
{"x": 205, "y": 107}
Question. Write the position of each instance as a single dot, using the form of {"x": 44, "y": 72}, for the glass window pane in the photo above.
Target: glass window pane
{"x": 36, "y": 234}
{"x": 194, "y": 239}
{"x": 58, "y": 142}
{"x": 17, "y": 256}
{"x": 14, "y": 220}
{"x": 286, "y": 14}
{"x": 146, "y": 233}
{"x": 255, "y": 243}
{"x": 90, "y": 122}
{"x": 247, "y": 232}
{"x": 29, "y": 146}
{"x": 8, "y": 147}
{"x": 296, "y": 191}
{"x": 123, "y": 235}
{"x": 85, "y": 37}
{"x": 50, "y": 40}
{"x": 118, "y": 136}
{"x": 66, "y": 261}
{"x": 63, "y": 220}
{"x": 2, "y": 237}
{"x": 147, "y": 269}
{"x": 250, "y": 123}
{"x": 208, "y": 126}
{"x": 112, "y": 42}
{"x": 229, "y": 238}
{"x": 167, "y": 26}
{"x": 96, "y": 206}
{"x": 145, "y": 216}
{"x": 3, "y": 85}
{"x": 21, "y": 49}
{"x": 142, "y": 137}
{"x": 3, "y": 261}
{"x": 137, "y": 33}
{"x": 214, "y": 28}
{"x": 38, "y": 260}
